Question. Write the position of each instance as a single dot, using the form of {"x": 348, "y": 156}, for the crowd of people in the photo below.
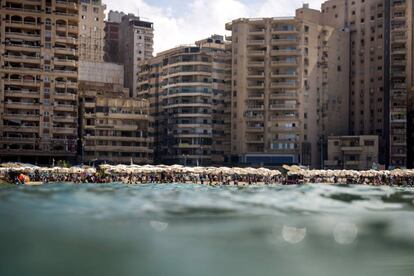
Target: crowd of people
{"x": 203, "y": 176}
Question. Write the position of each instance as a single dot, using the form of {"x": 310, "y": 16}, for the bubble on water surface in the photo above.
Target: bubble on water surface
{"x": 345, "y": 233}
{"x": 159, "y": 226}
{"x": 293, "y": 235}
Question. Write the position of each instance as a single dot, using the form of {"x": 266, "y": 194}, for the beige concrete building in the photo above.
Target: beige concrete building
{"x": 114, "y": 127}
{"x": 353, "y": 152}
{"x": 188, "y": 88}
{"x": 91, "y": 30}
{"x": 288, "y": 92}
{"x": 39, "y": 84}
{"x": 381, "y": 70}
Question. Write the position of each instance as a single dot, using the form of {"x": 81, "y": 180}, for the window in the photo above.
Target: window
{"x": 369, "y": 143}
{"x": 84, "y": 8}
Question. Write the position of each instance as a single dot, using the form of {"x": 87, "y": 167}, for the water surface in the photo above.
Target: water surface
{"x": 116, "y": 229}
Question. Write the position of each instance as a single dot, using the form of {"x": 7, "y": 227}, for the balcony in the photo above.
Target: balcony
{"x": 284, "y": 85}
{"x": 285, "y": 129}
{"x": 290, "y": 118}
{"x": 21, "y": 129}
{"x": 68, "y": 28}
{"x": 284, "y": 95}
{"x": 65, "y": 62}
{"x": 25, "y": 10}
{"x": 22, "y": 93}
{"x": 254, "y": 118}
{"x": 22, "y": 58}
{"x": 23, "y": 24}
{"x": 22, "y": 69}
{"x": 255, "y": 75}
{"x": 65, "y": 119}
{"x": 256, "y": 64}
{"x": 257, "y": 32}
{"x": 278, "y": 31}
{"x": 284, "y": 63}
{"x": 253, "y": 140}
{"x": 286, "y": 106}
{"x": 67, "y": 4}
{"x": 255, "y": 107}
{"x": 352, "y": 148}
{"x": 256, "y": 53}
{"x": 66, "y": 14}
{"x": 22, "y": 82}
{"x": 255, "y": 96}
{"x": 66, "y": 40}
{"x": 65, "y": 107}
{"x": 258, "y": 42}
{"x": 22, "y": 117}
{"x": 65, "y": 51}
{"x": 65, "y": 130}
{"x": 254, "y": 129}
{"x": 284, "y": 75}
{"x": 255, "y": 86}
{"x": 65, "y": 96}
{"x": 66, "y": 84}
{"x": 21, "y": 105}
{"x": 66, "y": 73}
{"x": 286, "y": 41}
{"x": 286, "y": 52}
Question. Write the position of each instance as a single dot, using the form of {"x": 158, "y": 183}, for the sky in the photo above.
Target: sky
{"x": 178, "y": 22}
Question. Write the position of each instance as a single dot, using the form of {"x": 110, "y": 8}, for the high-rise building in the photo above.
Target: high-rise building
{"x": 399, "y": 82}
{"x": 92, "y": 30}
{"x": 288, "y": 93}
{"x": 189, "y": 92}
{"x": 112, "y": 36}
{"x": 129, "y": 40}
{"x": 381, "y": 70}
{"x": 39, "y": 84}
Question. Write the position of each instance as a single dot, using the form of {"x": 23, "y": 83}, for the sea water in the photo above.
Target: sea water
{"x": 177, "y": 229}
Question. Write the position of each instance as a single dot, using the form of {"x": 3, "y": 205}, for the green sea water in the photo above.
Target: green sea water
{"x": 193, "y": 230}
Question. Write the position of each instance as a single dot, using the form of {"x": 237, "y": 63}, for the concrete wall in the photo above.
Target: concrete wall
{"x": 101, "y": 72}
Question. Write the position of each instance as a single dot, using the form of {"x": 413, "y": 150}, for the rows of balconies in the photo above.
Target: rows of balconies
{"x": 21, "y": 93}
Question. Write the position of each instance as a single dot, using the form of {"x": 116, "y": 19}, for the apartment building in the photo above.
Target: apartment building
{"x": 288, "y": 93}
{"x": 400, "y": 88}
{"x": 39, "y": 83}
{"x": 114, "y": 127}
{"x": 112, "y": 36}
{"x": 91, "y": 31}
{"x": 381, "y": 73}
{"x": 352, "y": 152}
{"x": 188, "y": 89}
{"x": 136, "y": 40}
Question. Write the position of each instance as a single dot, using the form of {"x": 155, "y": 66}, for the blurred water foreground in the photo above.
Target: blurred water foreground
{"x": 173, "y": 229}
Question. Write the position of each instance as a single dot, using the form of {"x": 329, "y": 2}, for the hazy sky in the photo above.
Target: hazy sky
{"x": 185, "y": 21}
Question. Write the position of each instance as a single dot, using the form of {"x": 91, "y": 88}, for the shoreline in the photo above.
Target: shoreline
{"x": 211, "y": 176}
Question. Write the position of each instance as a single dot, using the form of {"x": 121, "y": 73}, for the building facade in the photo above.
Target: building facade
{"x": 91, "y": 30}
{"x": 188, "y": 89}
{"x": 136, "y": 43}
{"x": 114, "y": 127}
{"x": 287, "y": 92}
{"x": 353, "y": 153}
{"x": 381, "y": 71}
{"x": 112, "y": 26}
{"x": 39, "y": 83}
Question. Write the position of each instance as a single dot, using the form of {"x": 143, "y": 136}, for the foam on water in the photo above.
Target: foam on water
{"x": 178, "y": 229}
